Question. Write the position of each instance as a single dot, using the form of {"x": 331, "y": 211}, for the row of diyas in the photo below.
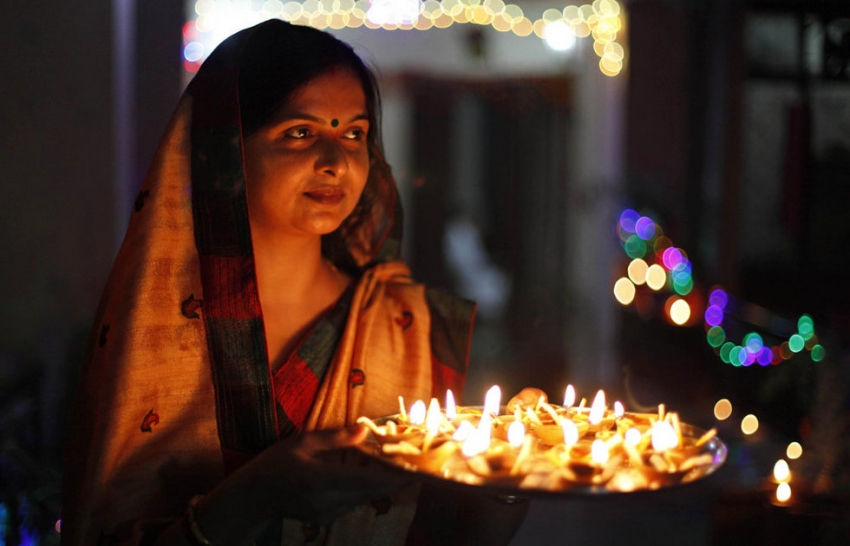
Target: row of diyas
{"x": 537, "y": 445}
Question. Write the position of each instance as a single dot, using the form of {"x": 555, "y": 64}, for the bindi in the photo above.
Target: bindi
{"x": 334, "y": 122}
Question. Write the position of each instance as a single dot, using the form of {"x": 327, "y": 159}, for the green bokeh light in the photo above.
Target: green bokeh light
{"x": 715, "y": 336}
{"x": 818, "y": 353}
{"x": 796, "y": 343}
{"x": 725, "y": 350}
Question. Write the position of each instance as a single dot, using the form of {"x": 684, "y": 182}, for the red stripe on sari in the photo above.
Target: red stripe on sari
{"x": 295, "y": 388}
{"x": 231, "y": 291}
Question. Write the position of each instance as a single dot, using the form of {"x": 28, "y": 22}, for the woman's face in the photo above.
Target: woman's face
{"x": 307, "y": 168}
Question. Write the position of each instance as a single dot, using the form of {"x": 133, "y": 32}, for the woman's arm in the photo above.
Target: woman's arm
{"x": 299, "y": 478}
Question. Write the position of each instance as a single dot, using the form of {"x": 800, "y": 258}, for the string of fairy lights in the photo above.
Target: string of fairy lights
{"x": 601, "y": 20}
{"x": 662, "y": 267}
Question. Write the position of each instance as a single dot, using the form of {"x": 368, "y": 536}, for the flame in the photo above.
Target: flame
{"x": 569, "y": 396}
{"x": 493, "y": 400}
{"x": 570, "y": 431}
{"x": 619, "y": 410}
{"x": 516, "y": 433}
{"x": 479, "y": 438}
{"x": 663, "y": 436}
{"x": 597, "y": 409}
{"x": 417, "y": 413}
{"x": 451, "y": 408}
{"x": 633, "y": 436}
{"x": 463, "y": 431}
{"x": 433, "y": 418}
{"x": 599, "y": 452}
{"x": 781, "y": 471}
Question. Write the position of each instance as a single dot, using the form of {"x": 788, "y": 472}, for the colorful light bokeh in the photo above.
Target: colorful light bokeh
{"x": 753, "y": 349}
{"x": 658, "y": 265}
{"x": 601, "y": 20}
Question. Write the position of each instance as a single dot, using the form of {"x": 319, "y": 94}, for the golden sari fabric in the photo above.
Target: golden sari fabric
{"x": 177, "y": 391}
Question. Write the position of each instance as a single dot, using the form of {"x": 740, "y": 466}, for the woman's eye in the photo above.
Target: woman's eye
{"x": 298, "y": 132}
{"x": 355, "y": 134}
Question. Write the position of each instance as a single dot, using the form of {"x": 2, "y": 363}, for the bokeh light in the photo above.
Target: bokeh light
{"x": 722, "y": 409}
{"x": 603, "y": 20}
{"x": 656, "y": 277}
{"x": 624, "y": 291}
{"x": 749, "y": 424}
{"x": 794, "y": 450}
{"x": 680, "y": 311}
{"x": 637, "y": 271}
{"x": 781, "y": 471}
{"x": 783, "y": 492}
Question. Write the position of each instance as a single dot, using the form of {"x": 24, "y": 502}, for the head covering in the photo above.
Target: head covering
{"x": 222, "y": 233}
{"x": 177, "y": 388}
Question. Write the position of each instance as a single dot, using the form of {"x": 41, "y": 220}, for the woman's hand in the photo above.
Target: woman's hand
{"x": 313, "y": 477}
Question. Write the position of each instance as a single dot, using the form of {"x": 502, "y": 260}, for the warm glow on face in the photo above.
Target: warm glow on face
{"x": 781, "y": 471}
{"x": 493, "y": 400}
{"x": 516, "y": 433}
{"x": 794, "y": 451}
{"x": 783, "y": 492}
{"x": 663, "y": 436}
{"x": 722, "y": 409}
{"x": 569, "y": 396}
{"x": 597, "y": 409}
{"x": 656, "y": 277}
{"x": 451, "y": 407}
{"x": 624, "y": 291}
{"x": 749, "y": 424}
{"x": 417, "y": 413}
{"x": 599, "y": 452}
{"x": 637, "y": 271}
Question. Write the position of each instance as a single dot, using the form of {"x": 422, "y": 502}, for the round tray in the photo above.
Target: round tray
{"x": 714, "y": 447}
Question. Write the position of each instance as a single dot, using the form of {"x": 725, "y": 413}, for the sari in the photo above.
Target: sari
{"x": 177, "y": 390}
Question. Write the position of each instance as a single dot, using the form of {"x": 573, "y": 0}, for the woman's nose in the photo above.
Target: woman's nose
{"x": 332, "y": 159}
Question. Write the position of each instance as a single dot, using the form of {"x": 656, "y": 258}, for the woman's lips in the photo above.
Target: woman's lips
{"x": 326, "y": 195}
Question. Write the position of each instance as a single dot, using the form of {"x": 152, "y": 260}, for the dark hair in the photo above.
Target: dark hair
{"x": 278, "y": 59}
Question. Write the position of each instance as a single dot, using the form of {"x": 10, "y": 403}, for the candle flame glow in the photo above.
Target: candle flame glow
{"x": 619, "y": 410}
{"x": 569, "y": 396}
{"x": 433, "y": 418}
{"x": 663, "y": 436}
{"x": 451, "y": 407}
{"x": 633, "y": 436}
{"x": 463, "y": 431}
{"x": 781, "y": 471}
{"x": 417, "y": 413}
{"x": 493, "y": 400}
{"x": 516, "y": 433}
{"x": 597, "y": 409}
{"x": 570, "y": 431}
{"x": 599, "y": 451}
{"x": 479, "y": 438}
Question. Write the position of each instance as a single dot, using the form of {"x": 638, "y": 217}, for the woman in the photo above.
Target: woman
{"x": 256, "y": 308}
